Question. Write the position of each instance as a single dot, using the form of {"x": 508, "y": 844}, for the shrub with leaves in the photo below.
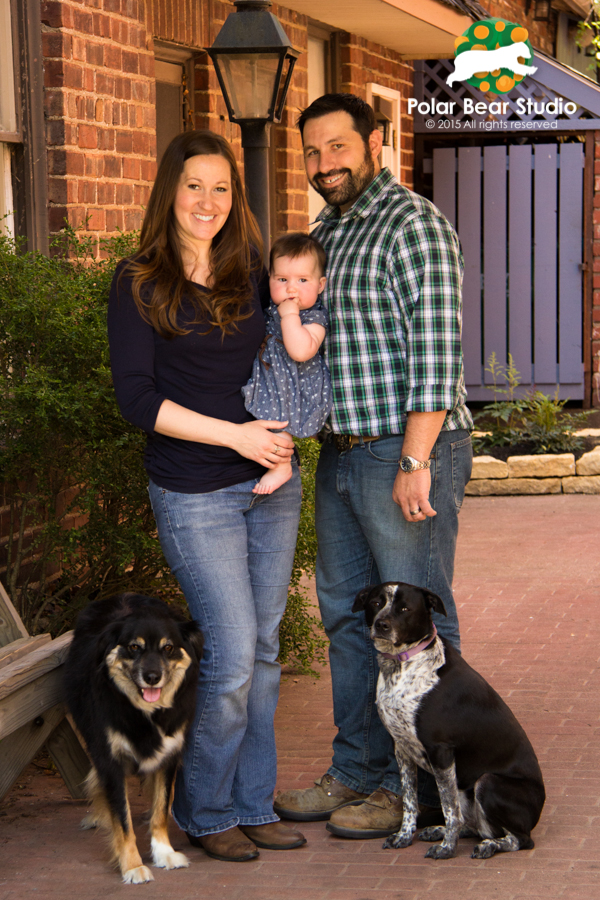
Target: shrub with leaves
{"x": 535, "y": 419}
{"x": 77, "y": 519}
{"x": 301, "y": 633}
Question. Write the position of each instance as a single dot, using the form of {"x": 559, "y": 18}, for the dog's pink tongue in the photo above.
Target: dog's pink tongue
{"x": 151, "y": 695}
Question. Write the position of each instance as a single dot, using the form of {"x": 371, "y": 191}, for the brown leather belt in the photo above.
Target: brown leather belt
{"x": 343, "y": 442}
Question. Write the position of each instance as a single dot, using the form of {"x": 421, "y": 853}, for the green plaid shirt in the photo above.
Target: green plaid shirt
{"x": 394, "y": 276}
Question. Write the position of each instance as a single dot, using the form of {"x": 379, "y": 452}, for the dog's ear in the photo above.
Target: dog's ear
{"x": 107, "y": 641}
{"x": 360, "y": 601}
{"x": 190, "y": 632}
{"x": 435, "y": 603}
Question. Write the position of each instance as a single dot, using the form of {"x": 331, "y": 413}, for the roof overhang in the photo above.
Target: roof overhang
{"x": 416, "y": 29}
{"x": 578, "y": 7}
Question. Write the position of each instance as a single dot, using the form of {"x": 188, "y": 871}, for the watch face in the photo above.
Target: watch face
{"x": 406, "y": 464}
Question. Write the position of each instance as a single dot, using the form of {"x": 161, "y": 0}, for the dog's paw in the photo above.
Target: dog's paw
{"x": 397, "y": 841}
{"x": 433, "y": 833}
{"x": 440, "y": 852}
{"x": 90, "y": 821}
{"x": 138, "y": 875}
{"x": 164, "y": 857}
{"x": 484, "y": 850}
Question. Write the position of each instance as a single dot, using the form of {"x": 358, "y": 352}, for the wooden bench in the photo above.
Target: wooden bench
{"x": 32, "y": 709}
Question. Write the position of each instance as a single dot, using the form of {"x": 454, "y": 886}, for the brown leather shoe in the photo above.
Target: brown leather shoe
{"x": 379, "y": 815}
{"x": 274, "y": 836}
{"x": 315, "y": 803}
{"x": 230, "y": 845}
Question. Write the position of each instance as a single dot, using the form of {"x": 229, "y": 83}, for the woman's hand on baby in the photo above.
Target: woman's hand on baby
{"x": 255, "y": 441}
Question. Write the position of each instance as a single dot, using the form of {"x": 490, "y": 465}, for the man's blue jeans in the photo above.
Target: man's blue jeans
{"x": 232, "y": 553}
{"x": 363, "y": 539}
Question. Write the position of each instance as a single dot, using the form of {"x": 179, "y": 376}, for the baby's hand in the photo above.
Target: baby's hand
{"x": 289, "y": 307}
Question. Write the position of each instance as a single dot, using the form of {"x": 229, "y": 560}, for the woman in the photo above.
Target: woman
{"x": 185, "y": 323}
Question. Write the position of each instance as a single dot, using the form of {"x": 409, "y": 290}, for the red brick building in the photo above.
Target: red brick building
{"x": 102, "y": 85}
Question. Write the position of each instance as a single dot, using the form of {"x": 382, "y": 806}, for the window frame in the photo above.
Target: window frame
{"x": 29, "y": 156}
{"x": 395, "y": 97}
{"x": 16, "y": 136}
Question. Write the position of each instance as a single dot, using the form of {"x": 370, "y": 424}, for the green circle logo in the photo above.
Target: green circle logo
{"x": 510, "y": 54}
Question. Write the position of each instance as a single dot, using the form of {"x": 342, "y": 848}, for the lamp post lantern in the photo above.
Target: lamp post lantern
{"x": 254, "y": 60}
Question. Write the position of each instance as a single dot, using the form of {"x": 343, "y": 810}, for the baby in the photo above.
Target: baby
{"x": 290, "y": 381}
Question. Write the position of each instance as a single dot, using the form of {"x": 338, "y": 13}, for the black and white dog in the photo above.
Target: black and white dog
{"x": 130, "y": 681}
{"x": 445, "y": 718}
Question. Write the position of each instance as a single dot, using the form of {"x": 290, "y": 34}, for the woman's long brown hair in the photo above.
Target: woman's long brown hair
{"x": 158, "y": 264}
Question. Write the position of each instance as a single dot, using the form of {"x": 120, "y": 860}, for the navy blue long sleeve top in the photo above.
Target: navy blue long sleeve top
{"x": 203, "y": 372}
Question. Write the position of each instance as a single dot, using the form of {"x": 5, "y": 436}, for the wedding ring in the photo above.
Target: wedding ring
{"x": 277, "y": 448}
{"x": 414, "y": 512}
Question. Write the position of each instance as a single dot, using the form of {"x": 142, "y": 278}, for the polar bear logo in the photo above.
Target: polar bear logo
{"x": 470, "y": 62}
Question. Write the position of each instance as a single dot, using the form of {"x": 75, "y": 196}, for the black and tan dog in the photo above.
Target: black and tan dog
{"x": 445, "y": 718}
{"x": 130, "y": 681}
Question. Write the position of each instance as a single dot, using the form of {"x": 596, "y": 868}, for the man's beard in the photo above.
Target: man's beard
{"x": 349, "y": 189}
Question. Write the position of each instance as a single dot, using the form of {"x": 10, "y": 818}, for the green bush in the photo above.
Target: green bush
{"x": 77, "y": 514}
{"x": 301, "y": 633}
{"x": 536, "y": 419}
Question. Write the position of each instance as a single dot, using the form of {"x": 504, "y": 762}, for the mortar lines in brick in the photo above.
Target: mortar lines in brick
{"x": 99, "y": 103}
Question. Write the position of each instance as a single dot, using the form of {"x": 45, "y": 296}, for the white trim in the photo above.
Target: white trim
{"x": 390, "y": 156}
{"x": 7, "y": 216}
{"x": 168, "y": 73}
{"x": 8, "y": 111}
{"x": 172, "y": 53}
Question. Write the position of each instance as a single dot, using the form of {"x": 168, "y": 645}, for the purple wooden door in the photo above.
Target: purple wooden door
{"x": 518, "y": 211}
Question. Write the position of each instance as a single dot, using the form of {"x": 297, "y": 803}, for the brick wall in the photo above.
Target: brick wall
{"x": 291, "y": 197}
{"x": 541, "y": 34}
{"x": 185, "y": 22}
{"x": 100, "y": 119}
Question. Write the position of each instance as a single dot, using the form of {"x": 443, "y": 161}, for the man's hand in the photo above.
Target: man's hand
{"x": 411, "y": 489}
{"x": 411, "y": 492}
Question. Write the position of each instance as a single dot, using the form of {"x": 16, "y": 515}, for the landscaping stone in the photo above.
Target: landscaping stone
{"x": 589, "y": 463}
{"x": 485, "y": 487}
{"x": 582, "y": 484}
{"x": 546, "y": 465}
{"x": 488, "y": 467}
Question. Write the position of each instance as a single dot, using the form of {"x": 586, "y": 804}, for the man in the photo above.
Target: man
{"x": 392, "y": 473}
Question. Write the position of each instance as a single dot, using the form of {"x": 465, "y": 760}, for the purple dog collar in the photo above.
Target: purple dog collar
{"x": 406, "y": 654}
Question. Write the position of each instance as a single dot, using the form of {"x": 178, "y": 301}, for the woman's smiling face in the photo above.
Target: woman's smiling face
{"x": 203, "y": 199}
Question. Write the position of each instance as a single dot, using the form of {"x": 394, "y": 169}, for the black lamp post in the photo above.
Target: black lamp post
{"x": 254, "y": 61}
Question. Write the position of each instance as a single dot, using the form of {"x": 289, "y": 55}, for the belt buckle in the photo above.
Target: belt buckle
{"x": 342, "y": 442}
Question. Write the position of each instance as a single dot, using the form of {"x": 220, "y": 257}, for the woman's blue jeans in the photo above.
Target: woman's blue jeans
{"x": 364, "y": 539}
{"x": 232, "y": 553}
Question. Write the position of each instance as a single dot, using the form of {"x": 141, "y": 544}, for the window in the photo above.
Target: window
{"x": 386, "y": 103}
{"x": 174, "y": 112}
{"x": 573, "y": 51}
{"x": 9, "y": 130}
{"x": 7, "y": 217}
{"x": 23, "y": 161}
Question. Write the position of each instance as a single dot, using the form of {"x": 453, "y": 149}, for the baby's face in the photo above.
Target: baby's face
{"x": 296, "y": 279}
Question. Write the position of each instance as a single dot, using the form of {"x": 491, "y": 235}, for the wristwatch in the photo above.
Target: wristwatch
{"x": 409, "y": 464}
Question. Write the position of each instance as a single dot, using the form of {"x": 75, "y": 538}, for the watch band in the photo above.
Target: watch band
{"x": 410, "y": 464}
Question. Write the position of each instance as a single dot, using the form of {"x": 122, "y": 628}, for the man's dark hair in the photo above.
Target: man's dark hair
{"x": 295, "y": 244}
{"x": 362, "y": 114}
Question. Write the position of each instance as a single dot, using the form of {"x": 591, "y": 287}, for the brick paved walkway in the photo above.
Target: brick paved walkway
{"x": 528, "y": 591}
